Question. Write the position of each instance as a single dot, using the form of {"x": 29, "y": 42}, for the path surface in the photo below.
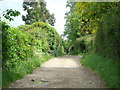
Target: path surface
{"x": 60, "y": 72}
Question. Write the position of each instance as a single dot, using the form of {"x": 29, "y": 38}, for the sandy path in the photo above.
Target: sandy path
{"x": 60, "y": 72}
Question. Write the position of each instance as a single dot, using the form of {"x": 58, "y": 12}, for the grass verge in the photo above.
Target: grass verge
{"x": 106, "y": 68}
{"x": 22, "y": 68}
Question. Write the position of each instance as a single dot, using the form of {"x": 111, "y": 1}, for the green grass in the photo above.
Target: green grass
{"x": 21, "y": 69}
{"x": 104, "y": 67}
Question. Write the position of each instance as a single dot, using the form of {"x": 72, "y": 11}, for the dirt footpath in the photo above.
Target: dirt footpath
{"x": 60, "y": 72}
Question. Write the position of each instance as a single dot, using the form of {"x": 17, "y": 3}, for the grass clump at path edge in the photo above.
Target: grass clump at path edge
{"x": 106, "y": 68}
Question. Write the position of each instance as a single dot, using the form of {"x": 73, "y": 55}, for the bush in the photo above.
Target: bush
{"x": 16, "y": 46}
{"x": 22, "y": 46}
{"x": 107, "y": 37}
{"x": 19, "y": 43}
{"x": 86, "y": 43}
{"x": 47, "y": 38}
{"x": 83, "y": 44}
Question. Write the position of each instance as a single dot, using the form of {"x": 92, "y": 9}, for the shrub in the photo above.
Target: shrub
{"x": 22, "y": 46}
{"x": 47, "y": 38}
{"x": 107, "y": 37}
{"x": 83, "y": 44}
{"x": 16, "y": 46}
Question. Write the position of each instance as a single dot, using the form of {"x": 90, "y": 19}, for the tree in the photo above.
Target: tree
{"x": 51, "y": 19}
{"x": 37, "y": 11}
{"x": 9, "y": 14}
{"x": 95, "y": 19}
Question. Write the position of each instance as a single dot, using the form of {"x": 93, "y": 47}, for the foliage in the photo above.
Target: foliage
{"x": 107, "y": 37}
{"x": 97, "y": 19}
{"x": 37, "y": 11}
{"x": 93, "y": 27}
{"x": 82, "y": 45}
{"x": 47, "y": 39}
{"x": 105, "y": 67}
{"x": 16, "y": 46}
{"x": 0, "y": 57}
{"x": 72, "y": 24}
{"x": 19, "y": 43}
{"x": 23, "y": 68}
{"x": 85, "y": 43}
{"x": 24, "y": 43}
{"x": 9, "y": 14}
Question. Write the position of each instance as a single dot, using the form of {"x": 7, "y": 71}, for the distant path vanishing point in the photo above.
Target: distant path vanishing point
{"x": 60, "y": 72}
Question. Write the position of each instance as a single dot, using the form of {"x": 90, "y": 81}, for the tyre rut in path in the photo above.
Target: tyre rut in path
{"x": 60, "y": 72}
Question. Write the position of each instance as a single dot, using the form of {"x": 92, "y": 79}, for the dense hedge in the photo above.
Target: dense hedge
{"x": 16, "y": 46}
{"x": 48, "y": 40}
{"x": 85, "y": 43}
{"x": 107, "y": 40}
{"x": 82, "y": 45}
{"x": 23, "y": 42}
{"x": 26, "y": 47}
{"x": 93, "y": 18}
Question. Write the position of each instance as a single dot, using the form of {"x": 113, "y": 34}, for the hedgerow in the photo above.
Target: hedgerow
{"x": 24, "y": 44}
{"x": 16, "y": 46}
{"x": 107, "y": 40}
{"x": 47, "y": 38}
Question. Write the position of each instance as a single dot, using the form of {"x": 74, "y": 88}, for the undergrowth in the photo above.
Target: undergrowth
{"x": 105, "y": 67}
{"x": 22, "y": 68}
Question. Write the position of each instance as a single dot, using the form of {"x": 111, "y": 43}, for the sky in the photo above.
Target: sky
{"x": 58, "y": 7}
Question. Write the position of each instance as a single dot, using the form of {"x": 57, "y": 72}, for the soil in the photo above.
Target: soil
{"x": 60, "y": 72}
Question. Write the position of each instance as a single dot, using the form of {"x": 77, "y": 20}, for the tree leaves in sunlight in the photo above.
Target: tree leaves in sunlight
{"x": 84, "y": 19}
{"x": 9, "y": 14}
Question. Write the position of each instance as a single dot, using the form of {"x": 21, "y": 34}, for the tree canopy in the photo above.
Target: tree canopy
{"x": 98, "y": 19}
{"x": 37, "y": 11}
